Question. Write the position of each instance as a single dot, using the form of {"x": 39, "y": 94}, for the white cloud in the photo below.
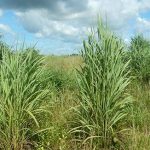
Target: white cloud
{"x": 144, "y": 5}
{"x": 44, "y": 22}
{"x": 5, "y": 29}
{"x": 69, "y": 21}
{"x": 42, "y": 25}
{"x": 118, "y": 12}
{"x": 56, "y": 27}
{"x": 143, "y": 25}
{"x": 143, "y": 21}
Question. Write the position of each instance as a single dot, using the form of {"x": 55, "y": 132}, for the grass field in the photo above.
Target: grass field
{"x": 98, "y": 100}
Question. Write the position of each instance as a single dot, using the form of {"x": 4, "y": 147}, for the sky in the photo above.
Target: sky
{"x": 59, "y": 26}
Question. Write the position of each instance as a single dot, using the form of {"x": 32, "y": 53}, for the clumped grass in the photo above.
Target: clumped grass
{"x": 103, "y": 81}
{"x": 21, "y": 97}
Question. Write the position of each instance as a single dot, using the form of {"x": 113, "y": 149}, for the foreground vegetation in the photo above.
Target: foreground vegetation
{"x": 97, "y": 100}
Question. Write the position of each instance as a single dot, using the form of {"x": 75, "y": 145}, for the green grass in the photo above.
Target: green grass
{"x": 97, "y": 100}
{"x": 103, "y": 80}
{"x": 22, "y": 94}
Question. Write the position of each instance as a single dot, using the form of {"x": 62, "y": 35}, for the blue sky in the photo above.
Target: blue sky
{"x": 58, "y": 27}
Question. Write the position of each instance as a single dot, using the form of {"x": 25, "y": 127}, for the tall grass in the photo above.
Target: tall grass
{"x": 102, "y": 81}
{"x": 139, "y": 54}
{"x": 37, "y": 96}
{"x": 21, "y": 93}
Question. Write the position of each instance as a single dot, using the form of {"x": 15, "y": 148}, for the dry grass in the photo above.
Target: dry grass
{"x": 67, "y": 63}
